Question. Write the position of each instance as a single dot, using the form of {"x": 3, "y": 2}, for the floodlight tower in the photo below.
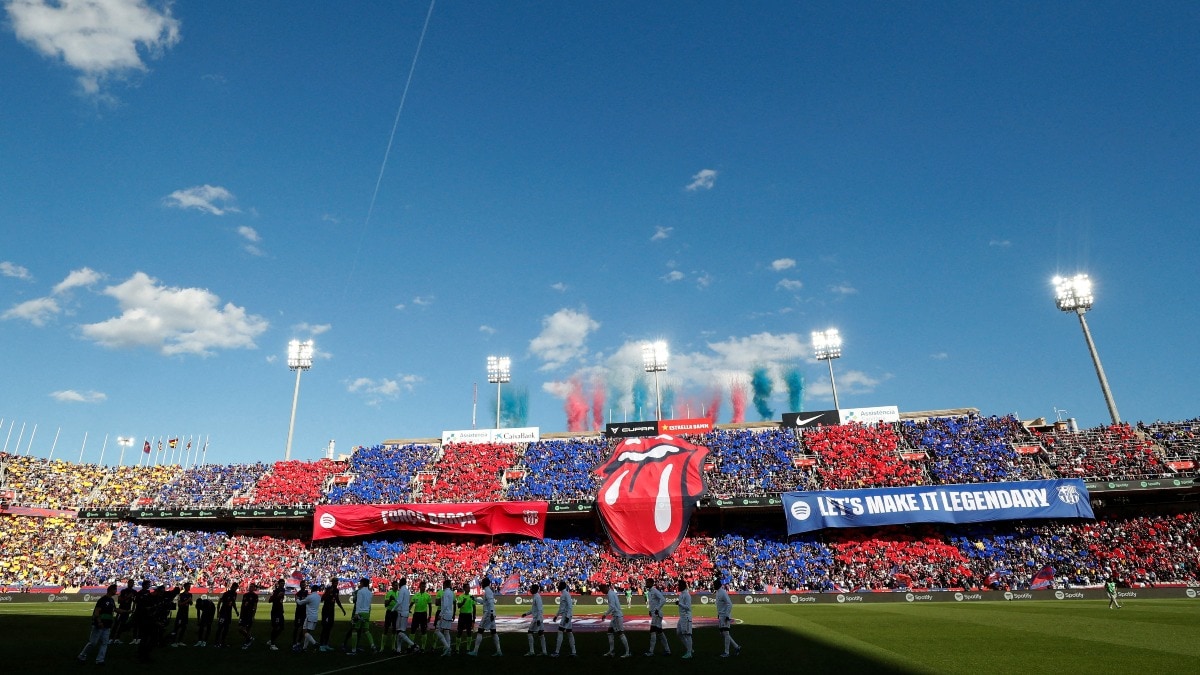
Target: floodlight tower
{"x": 499, "y": 371}
{"x": 654, "y": 359}
{"x": 300, "y": 359}
{"x": 827, "y": 346}
{"x": 1074, "y": 294}
{"x": 124, "y": 442}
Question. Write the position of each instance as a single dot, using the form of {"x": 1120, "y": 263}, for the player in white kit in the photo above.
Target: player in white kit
{"x": 725, "y": 617}
{"x": 654, "y": 602}
{"x": 685, "y": 618}
{"x": 537, "y": 616}
{"x": 487, "y": 622}
{"x": 616, "y": 626}
{"x": 563, "y": 617}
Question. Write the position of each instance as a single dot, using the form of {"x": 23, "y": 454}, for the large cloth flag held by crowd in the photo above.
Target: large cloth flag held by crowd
{"x": 478, "y": 518}
{"x": 1043, "y": 580}
{"x": 650, "y": 489}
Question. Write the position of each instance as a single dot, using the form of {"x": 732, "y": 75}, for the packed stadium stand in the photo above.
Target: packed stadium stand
{"x": 1154, "y": 543}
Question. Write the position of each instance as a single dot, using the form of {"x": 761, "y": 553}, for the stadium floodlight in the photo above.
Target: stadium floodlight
{"x": 299, "y": 359}
{"x": 1074, "y": 294}
{"x": 499, "y": 371}
{"x": 124, "y": 442}
{"x": 654, "y": 360}
{"x": 827, "y": 346}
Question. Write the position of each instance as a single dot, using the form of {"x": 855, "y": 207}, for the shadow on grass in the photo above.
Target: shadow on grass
{"x": 49, "y": 644}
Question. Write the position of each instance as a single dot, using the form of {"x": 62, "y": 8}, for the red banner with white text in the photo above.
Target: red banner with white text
{"x": 480, "y": 518}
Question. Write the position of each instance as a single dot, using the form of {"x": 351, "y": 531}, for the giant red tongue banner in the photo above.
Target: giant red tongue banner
{"x": 649, "y": 491}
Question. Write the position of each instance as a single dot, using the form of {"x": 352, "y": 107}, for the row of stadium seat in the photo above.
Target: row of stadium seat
{"x": 966, "y": 449}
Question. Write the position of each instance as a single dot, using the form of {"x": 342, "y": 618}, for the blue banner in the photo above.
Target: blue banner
{"x": 975, "y": 503}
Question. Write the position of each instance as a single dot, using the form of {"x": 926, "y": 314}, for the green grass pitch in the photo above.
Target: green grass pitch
{"x": 1149, "y": 636}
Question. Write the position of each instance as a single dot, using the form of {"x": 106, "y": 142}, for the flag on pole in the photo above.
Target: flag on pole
{"x": 1043, "y": 579}
{"x": 173, "y": 442}
{"x": 146, "y": 448}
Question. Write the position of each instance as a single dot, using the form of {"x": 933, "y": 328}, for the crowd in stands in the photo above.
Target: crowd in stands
{"x": 383, "y": 474}
{"x": 1180, "y": 442}
{"x": 972, "y": 449}
{"x": 210, "y": 485}
{"x": 742, "y": 462}
{"x": 559, "y": 471}
{"x": 1107, "y": 453}
{"x": 469, "y": 472}
{"x": 754, "y": 461}
{"x": 1151, "y": 549}
{"x": 295, "y": 482}
{"x": 861, "y": 456}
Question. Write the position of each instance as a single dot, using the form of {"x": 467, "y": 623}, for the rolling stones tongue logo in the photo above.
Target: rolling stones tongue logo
{"x": 649, "y": 491}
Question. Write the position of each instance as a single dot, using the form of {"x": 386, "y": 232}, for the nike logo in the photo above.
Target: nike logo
{"x": 800, "y": 422}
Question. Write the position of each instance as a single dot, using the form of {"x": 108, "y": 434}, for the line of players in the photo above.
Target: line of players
{"x": 147, "y": 613}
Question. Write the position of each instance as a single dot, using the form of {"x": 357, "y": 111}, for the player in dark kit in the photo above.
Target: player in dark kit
{"x": 276, "y": 600}
{"x": 226, "y": 608}
{"x": 103, "y": 616}
{"x": 300, "y": 616}
{"x": 249, "y": 609}
{"x": 124, "y": 612}
{"x": 329, "y": 600}
{"x": 140, "y": 600}
{"x": 183, "y": 609}
{"x": 205, "y": 609}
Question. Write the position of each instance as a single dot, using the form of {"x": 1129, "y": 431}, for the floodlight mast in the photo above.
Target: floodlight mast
{"x": 499, "y": 371}
{"x": 654, "y": 360}
{"x": 300, "y": 359}
{"x": 1074, "y": 294}
{"x": 827, "y": 346}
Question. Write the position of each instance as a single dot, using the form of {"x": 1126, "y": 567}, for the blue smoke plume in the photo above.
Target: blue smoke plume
{"x": 514, "y": 407}
{"x": 641, "y": 393}
{"x": 794, "y": 380}
{"x": 761, "y": 382}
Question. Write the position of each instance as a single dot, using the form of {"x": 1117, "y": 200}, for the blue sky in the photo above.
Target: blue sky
{"x": 186, "y": 187}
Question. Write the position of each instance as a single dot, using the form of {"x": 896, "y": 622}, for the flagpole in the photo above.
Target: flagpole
{"x": 53, "y": 445}
{"x": 10, "y": 428}
{"x": 82, "y": 447}
{"x": 31, "y": 435}
{"x": 102, "y": 447}
{"x": 204, "y": 460}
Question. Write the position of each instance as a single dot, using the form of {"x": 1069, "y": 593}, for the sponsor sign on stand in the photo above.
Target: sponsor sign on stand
{"x": 1128, "y": 485}
{"x": 631, "y": 429}
{"x": 104, "y": 514}
{"x": 515, "y": 435}
{"x": 735, "y": 502}
{"x": 571, "y": 507}
{"x": 815, "y": 418}
{"x": 686, "y": 426}
{"x": 883, "y": 413}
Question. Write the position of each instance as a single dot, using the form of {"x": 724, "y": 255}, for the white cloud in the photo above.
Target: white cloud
{"x": 672, "y": 276}
{"x": 208, "y": 198}
{"x": 792, "y": 285}
{"x": 782, "y": 264}
{"x": 98, "y": 38}
{"x": 1002, "y": 243}
{"x": 375, "y": 391}
{"x": 851, "y": 382}
{"x": 15, "y": 271}
{"x": 560, "y": 287}
{"x": 400, "y": 306}
{"x": 249, "y": 234}
{"x": 704, "y": 280}
{"x": 563, "y": 337}
{"x": 487, "y": 329}
{"x": 77, "y": 278}
{"x": 423, "y": 300}
{"x": 843, "y": 289}
{"x": 661, "y": 233}
{"x": 939, "y": 356}
{"x": 37, "y": 311}
{"x": 72, "y": 396}
{"x": 311, "y": 329}
{"x": 703, "y": 180}
{"x": 174, "y": 320}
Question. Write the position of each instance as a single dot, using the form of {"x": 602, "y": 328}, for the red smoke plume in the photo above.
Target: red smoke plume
{"x": 576, "y": 407}
{"x": 737, "y": 396}
{"x": 597, "y": 404}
